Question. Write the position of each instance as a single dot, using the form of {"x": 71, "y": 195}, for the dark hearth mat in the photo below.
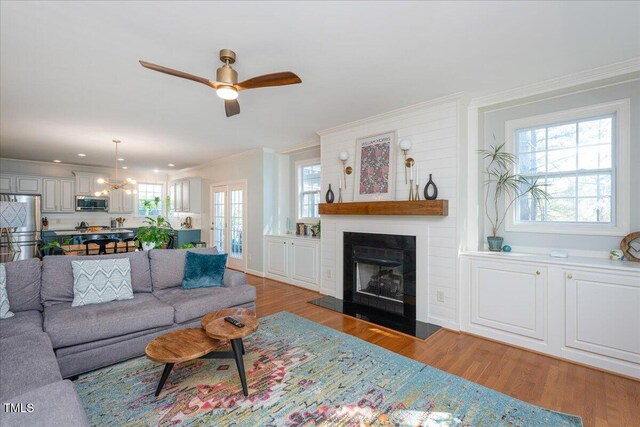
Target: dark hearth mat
{"x": 397, "y": 323}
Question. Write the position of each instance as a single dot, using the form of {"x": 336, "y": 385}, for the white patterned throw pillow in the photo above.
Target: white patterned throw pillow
{"x": 5, "y": 313}
{"x": 103, "y": 280}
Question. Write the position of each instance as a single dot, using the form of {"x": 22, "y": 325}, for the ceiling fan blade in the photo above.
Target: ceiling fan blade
{"x": 177, "y": 73}
{"x": 231, "y": 107}
{"x": 274, "y": 79}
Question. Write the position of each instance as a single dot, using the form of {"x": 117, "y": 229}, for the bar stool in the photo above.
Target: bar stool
{"x": 102, "y": 245}
{"x": 127, "y": 241}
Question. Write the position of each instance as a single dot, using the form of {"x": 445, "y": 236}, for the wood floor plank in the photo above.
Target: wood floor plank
{"x": 600, "y": 398}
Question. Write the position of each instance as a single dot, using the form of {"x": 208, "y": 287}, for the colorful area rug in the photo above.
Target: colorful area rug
{"x": 302, "y": 373}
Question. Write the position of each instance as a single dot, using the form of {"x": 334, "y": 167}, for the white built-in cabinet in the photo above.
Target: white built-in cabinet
{"x": 58, "y": 195}
{"x": 7, "y": 183}
{"x": 87, "y": 183}
{"x": 185, "y": 195}
{"x": 28, "y": 184}
{"x": 294, "y": 260}
{"x": 120, "y": 202}
{"x": 581, "y": 309}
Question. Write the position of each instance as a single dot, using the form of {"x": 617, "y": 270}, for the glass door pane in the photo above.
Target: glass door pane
{"x": 219, "y": 219}
{"x": 236, "y": 220}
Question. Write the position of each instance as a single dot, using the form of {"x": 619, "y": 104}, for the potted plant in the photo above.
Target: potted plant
{"x": 502, "y": 181}
{"x": 150, "y": 205}
{"x": 155, "y": 234}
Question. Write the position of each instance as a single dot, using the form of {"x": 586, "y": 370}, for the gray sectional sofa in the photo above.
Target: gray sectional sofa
{"x": 48, "y": 340}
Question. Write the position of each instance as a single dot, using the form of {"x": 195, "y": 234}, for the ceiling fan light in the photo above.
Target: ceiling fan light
{"x": 227, "y": 92}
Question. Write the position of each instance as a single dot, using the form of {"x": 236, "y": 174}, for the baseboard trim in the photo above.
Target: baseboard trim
{"x": 254, "y": 272}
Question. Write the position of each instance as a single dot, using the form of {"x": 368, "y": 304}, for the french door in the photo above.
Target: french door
{"x": 228, "y": 224}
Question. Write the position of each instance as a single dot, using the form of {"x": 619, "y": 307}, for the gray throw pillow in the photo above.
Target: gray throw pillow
{"x": 5, "y": 313}
{"x": 103, "y": 280}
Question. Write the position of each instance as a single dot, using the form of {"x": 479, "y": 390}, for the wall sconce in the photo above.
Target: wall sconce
{"x": 405, "y": 145}
{"x": 344, "y": 156}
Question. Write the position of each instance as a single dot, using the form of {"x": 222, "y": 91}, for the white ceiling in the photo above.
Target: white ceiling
{"x": 71, "y": 82}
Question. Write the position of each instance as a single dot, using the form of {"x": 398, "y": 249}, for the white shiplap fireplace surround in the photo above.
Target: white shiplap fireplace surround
{"x": 436, "y": 131}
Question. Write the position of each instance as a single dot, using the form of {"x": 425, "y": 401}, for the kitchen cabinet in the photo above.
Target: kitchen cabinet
{"x": 586, "y": 310}
{"x": 294, "y": 260}
{"x": 120, "y": 202}
{"x": 87, "y": 183}
{"x": 28, "y": 184}
{"x": 185, "y": 195}
{"x": 184, "y": 237}
{"x": 58, "y": 195}
{"x": 7, "y": 183}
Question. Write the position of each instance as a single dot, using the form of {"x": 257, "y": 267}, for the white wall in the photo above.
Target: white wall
{"x": 60, "y": 170}
{"x": 493, "y": 122}
{"x": 248, "y": 166}
{"x": 435, "y": 130}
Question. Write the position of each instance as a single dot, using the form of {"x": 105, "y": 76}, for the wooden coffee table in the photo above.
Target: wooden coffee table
{"x": 188, "y": 344}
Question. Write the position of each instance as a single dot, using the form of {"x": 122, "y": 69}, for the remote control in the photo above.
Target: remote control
{"x": 234, "y": 322}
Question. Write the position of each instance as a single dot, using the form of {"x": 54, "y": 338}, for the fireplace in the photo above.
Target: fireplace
{"x": 380, "y": 272}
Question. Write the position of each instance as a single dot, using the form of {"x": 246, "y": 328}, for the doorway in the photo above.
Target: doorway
{"x": 228, "y": 222}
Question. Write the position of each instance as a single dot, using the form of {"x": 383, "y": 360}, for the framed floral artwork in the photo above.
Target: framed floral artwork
{"x": 375, "y": 167}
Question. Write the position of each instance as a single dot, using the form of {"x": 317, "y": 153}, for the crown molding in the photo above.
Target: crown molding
{"x": 303, "y": 146}
{"x": 558, "y": 83}
{"x": 456, "y": 97}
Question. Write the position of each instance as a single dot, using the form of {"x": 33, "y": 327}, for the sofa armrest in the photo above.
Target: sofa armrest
{"x": 234, "y": 278}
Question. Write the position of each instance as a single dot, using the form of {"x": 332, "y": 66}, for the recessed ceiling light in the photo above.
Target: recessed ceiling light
{"x": 156, "y": 170}
{"x": 121, "y": 159}
{"x": 57, "y": 161}
{"x": 125, "y": 167}
{"x": 82, "y": 155}
{"x": 171, "y": 165}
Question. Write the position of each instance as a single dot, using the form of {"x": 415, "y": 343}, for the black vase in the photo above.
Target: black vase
{"x": 329, "y": 197}
{"x": 434, "y": 190}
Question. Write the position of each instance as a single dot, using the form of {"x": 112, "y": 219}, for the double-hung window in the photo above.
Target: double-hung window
{"x": 308, "y": 190}
{"x": 581, "y": 158}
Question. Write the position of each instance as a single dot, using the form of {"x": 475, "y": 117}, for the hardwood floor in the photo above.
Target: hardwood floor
{"x": 601, "y": 399}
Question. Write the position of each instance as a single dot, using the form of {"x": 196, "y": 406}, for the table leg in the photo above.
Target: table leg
{"x": 238, "y": 347}
{"x": 165, "y": 374}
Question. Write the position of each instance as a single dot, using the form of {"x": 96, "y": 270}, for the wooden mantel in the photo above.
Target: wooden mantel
{"x": 395, "y": 207}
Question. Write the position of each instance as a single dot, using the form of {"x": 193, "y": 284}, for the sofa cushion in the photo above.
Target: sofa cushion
{"x": 23, "y": 284}
{"x": 24, "y": 322}
{"x": 167, "y": 266}
{"x": 55, "y": 404}
{"x": 57, "y": 275}
{"x": 67, "y": 325}
{"x": 27, "y": 362}
{"x": 191, "y": 304}
{"x": 97, "y": 281}
{"x": 5, "y": 311}
{"x": 203, "y": 270}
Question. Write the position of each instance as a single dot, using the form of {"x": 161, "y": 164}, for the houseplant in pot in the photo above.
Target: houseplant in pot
{"x": 155, "y": 234}
{"x": 502, "y": 182}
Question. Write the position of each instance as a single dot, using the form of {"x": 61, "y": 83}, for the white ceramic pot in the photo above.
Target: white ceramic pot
{"x": 148, "y": 246}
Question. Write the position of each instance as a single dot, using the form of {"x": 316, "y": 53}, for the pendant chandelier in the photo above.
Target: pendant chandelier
{"x": 115, "y": 184}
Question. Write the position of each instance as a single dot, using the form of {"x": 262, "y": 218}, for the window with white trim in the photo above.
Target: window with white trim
{"x": 308, "y": 190}
{"x": 149, "y": 199}
{"x": 578, "y": 156}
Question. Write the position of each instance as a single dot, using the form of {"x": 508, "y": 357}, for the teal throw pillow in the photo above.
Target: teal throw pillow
{"x": 203, "y": 270}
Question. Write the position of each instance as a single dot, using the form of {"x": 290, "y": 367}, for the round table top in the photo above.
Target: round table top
{"x": 220, "y": 329}
{"x": 181, "y": 346}
{"x": 233, "y": 312}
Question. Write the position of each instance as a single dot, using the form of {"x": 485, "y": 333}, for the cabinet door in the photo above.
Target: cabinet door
{"x": 66, "y": 196}
{"x": 603, "y": 314}
{"x": 49, "y": 195}
{"x": 178, "y": 191}
{"x": 304, "y": 264}
{"x": 29, "y": 184}
{"x": 277, "y": 251}
{"x": 6, "y": 183}
{"x": 172, "y": 197}
{"x": 84, "y": 185}
{"x": 126, "y": 204}
{"x": 509, "y": 297}
{"x": 186, "y": 205}
{"x": 115, "y": 201}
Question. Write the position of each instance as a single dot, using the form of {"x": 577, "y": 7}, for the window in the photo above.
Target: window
{"x": 308, "y": 190}
{"x": 578, "y": 156}
{"x": 149, "y": 199}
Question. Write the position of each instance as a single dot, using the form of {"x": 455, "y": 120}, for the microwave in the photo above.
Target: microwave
{"x": 92, "y": 204}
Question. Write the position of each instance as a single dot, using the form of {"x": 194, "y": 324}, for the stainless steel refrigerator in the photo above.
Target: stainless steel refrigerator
{"x": 27, "y": 236}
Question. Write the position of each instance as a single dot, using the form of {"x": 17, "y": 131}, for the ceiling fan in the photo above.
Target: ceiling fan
{"x": 226, "y": 83}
